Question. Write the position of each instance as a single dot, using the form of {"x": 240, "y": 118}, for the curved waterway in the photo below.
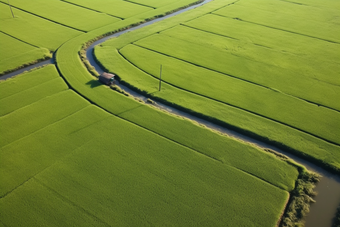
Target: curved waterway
{"x": 328, "y": 198}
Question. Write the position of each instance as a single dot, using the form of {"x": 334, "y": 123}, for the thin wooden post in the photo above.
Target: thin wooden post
{"x": 160, "y": 78}
{"x": 10, "y": 8}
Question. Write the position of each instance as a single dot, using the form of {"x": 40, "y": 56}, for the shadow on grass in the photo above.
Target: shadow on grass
{"x": 94, "y": 83}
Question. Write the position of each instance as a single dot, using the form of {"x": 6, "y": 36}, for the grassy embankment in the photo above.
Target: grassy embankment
{"x": 255, "y": 89}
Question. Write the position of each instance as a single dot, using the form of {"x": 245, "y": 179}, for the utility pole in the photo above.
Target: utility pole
{"x": 160, "y": 78}
{"x": 10, "y": 8}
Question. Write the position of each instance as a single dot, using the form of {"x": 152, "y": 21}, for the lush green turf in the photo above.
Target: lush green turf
{"x": 15, "y": 53}
{"x": 80, "y": 164}
{"x": 65, "y": 13}
{"x": 253, "y": 62}
{"x": 34, "y": 30}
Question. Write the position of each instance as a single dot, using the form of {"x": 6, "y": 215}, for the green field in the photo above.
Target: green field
{"x": 65, "y": 14}
{"x": 88, "y": 165}
{"x": 260, "y": 82}
{"x": 15, "y": 53}
{"x": 73, "y": 152}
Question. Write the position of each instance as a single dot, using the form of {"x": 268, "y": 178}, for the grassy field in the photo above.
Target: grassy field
{"x": 65, "y": 14}
{"x": 80, "y": 165}
{"x": 261, "y": 84}
{"x": 99, "y": 158}
{"x": 15, "y": 53}
{"x": 34, "y": 30}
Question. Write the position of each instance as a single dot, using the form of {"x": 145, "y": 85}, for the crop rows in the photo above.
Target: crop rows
{"x": 65, "y": 14}
{"x": 15, "y": 53}
{"x": 87, "y": 165}
{"x": 259, "y": 92}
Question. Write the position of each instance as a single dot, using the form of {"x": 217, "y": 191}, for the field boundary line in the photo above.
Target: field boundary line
{"x": 140, "y": 4}
{"x": 30, "y": 88}
{"x": 53, "y": 123}
{"x": 235, "y": 77}
{"x": 71, "y": 203}
{"x": 280, "y": 29}
{"x": 260, "y": 115}
{"x": 20, "y": 39}
{"x": 55, "y": 22}
{"x": 71, "y": 3}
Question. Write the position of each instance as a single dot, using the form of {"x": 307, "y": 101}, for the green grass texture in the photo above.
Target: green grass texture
{"x": 81, "y": 164}
{"x": 249, "y": 54}
{"x": 15, "y": 53}
{"x": 34, "y": 30}
{"x": 65, "y": 14}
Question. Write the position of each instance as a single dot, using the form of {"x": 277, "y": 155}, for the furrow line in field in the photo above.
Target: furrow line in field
{"x": 230, "y": 75}
{"x": 32, "y": 87}
{"x": 46, "y": 126}
{"x": 191, "y": 63}
{"x": 296, "y": 3}
{"x": 71, "y": 203}
{"x": 45, "y": 18}
{"x": 280, "y": 29}
{"x": 19, "y": 39}
{"x": 92, "y": 9}
{"x": 139, "y": 4}
{"x": 257, "y": 114}
{"x": 193, "y": 150}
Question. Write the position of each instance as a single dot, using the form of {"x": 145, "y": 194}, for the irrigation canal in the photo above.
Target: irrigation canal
{"x": 328, "y": 198}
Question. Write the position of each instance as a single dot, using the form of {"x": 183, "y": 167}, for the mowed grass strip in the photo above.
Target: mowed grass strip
{"x": 33, "y": 29}
{"x": 118, "y": 8}
{"x": 245, "y": 69}
{"x": 167, "y": 184}
{"x": 318, "y": 52}
{"x": 300, "y": 19}
{"x": 66, "y": 14}
{"x": 271, "y": 104}
{"x": 15, "y": 53}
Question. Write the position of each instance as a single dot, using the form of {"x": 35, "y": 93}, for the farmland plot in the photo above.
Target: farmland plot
{"x": 118, "y": 8}
{"x": 15, "y": 53}
{"x": 79, "y": 165}
{"x": 213, "y": 76}
{"x": 34, "y": 30}
{"x": 64, "y": 13}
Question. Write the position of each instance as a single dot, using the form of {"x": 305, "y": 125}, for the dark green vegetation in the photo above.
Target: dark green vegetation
{"x": 300, "y": 198}
{"x": 336, "y": 221}
{"x": 228, "y": 65}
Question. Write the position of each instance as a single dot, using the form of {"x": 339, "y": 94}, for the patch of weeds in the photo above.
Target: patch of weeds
{"x": 118, "y": 89}
{"x": 300, "y": 199}
{"x": 150, "y": 101}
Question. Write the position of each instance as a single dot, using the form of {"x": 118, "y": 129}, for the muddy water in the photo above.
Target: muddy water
{"x": 321, "y": 213}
